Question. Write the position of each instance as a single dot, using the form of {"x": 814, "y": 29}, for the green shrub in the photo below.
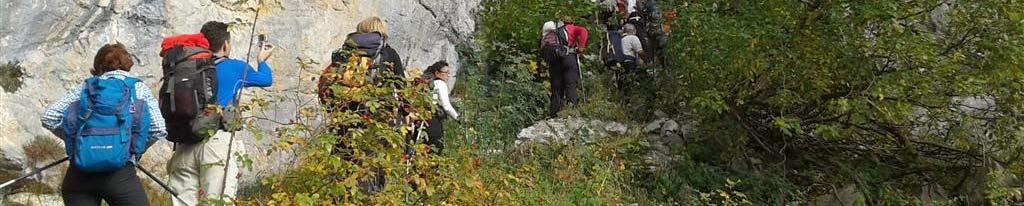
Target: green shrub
{"x": 845, "y": 91}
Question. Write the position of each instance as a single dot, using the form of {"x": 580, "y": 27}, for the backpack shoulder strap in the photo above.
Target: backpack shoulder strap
{"x": 563, "y": 35}
{"x": 377, "y": 54}
{"x": 85, "y": 100}
{"x": 218, "y": 59}
{"x": 131, "y": 82}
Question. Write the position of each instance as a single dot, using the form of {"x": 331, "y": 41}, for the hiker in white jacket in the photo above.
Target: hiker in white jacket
{"x": 439, "y": 84}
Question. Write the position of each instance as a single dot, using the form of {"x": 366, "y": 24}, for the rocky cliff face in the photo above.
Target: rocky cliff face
{"x": 55, "y": 42}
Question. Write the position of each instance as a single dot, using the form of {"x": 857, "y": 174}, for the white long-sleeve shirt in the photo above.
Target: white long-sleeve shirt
{"x": 441, "y": 97}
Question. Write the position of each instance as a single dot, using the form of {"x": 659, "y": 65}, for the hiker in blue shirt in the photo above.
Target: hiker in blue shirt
{"x": 197, "y": 171}
{"x": 229, "y": 77}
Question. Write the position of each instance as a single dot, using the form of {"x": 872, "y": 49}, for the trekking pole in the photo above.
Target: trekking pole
{"x": 411, "y": 152}
{"x": 583, "y": 88}
{"x": 238, "y": 97}
{"x": 161, "y": 183}
{"x": 11, "y": 182}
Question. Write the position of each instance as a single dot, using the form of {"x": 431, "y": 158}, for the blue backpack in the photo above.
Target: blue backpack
{"x": 108, "y": 127}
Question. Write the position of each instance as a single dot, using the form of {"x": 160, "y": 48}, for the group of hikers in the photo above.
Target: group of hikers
{"x": 109, "y": 121}
{"x": 563, "y": 42}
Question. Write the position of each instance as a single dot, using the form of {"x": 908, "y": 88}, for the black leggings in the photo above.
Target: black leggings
{"x": 435, "y": 133}
{"x": 118, "y": 188}
{"x": 565, "y": 76}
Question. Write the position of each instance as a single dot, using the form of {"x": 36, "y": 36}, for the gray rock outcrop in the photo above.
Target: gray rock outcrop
{"x": 666, "y": 136}
{"x": 563, "y": 130}
{"x": 55, "y": 42}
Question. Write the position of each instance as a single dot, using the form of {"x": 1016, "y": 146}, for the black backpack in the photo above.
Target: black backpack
{"x": 188, "y": 95}
{"x": 564, "y": 50}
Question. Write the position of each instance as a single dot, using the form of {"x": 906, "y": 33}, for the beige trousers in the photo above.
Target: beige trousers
{"x": 197, "y": 170}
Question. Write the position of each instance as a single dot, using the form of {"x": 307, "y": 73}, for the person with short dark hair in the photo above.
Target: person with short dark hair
{"x": 198, "y": 170}
{"x": 440, "y": 90}
{"x": 120, "y": 187}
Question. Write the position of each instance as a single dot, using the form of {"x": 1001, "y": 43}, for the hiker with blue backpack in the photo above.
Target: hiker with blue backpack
{"x": 107, "y": 123}
{"x": 198, "y": 98}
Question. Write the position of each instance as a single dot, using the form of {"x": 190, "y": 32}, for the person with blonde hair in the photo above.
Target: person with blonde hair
{"x": 368, "y": 44}
{"x": 550, "y": 47}
{"x": 373, "y": 24}
{"x": 369, "y": 40}
{"x": 561, "y": 49}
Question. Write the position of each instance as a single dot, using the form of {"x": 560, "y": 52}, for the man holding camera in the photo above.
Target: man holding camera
{"x": 207, "y": 170}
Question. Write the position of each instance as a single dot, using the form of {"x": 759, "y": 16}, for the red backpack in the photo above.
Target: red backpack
{"x": 189, "y": 89}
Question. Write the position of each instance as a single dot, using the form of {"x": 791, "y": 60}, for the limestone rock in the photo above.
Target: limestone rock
{"x": 659, "y": 114}
{"x": 565, "y": 129}
{"x": 30, "y": 199}
{"x": 670, "y": 126}
{"x": 654, "y": 126}
{"x": 616, "y": 128}
{"x": 665, "y": 137}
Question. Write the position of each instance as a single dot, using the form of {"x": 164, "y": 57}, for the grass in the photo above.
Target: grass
{"x": 43, "y": 149}
{"x": 605, "y": 172}
{"x": 11, "y": 76}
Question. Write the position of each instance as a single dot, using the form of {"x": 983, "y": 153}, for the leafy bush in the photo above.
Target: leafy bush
{"x": 512, "y": 28}
{"x": 917, "y": 89}
{"x": 821, "y": 93}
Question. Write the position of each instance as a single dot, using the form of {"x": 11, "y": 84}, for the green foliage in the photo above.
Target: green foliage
{"x": 376, "y": 133}
{"x": 500, "y": 102}
{"x": 11, "y": 76}
{"x": 920, "y": 89}
{"x": 793, "y": 97}
{"x": 512, "y": 28}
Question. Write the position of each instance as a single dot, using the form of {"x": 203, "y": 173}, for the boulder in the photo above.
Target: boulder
{"x": 654, "y": 126}
{"x": 565, "y": 129}
{"x": 669, "y": 126}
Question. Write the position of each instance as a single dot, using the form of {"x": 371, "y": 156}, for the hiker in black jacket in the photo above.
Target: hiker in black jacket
{"x": 368, "y": 43}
